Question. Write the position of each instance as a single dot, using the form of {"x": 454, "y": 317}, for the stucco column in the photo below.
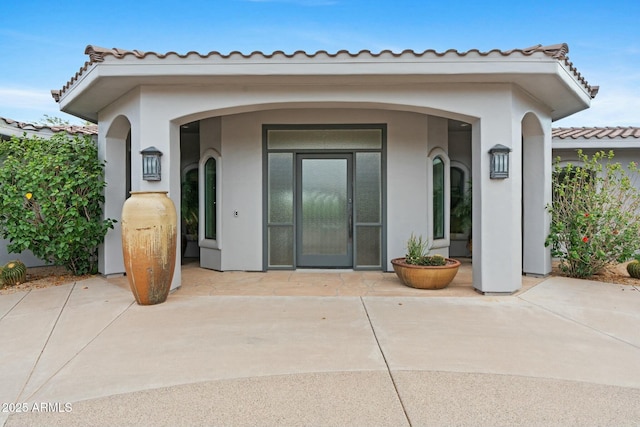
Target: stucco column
{"x": 497, "y": 212}
{"x": 156, "y": 130}
{"x": 536, "y": 194}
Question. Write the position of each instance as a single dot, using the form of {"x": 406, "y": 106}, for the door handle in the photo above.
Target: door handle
{"x": 350, "y": 208}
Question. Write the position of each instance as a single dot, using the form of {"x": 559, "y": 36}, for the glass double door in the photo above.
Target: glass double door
{"x": 324, "y": 208}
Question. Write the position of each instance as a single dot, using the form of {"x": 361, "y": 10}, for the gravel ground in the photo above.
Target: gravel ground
{"x": 43, "y": 277}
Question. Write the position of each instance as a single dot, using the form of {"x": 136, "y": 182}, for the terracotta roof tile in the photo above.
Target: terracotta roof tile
{"x": 71, "y": 129}
{"x": 596, "y": 132}
{"x": 98, "y": 54}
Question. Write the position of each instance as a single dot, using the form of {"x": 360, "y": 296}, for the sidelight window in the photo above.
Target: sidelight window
{"x": 210, "y": 217}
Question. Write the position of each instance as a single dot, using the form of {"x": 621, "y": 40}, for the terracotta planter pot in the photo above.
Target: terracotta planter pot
{"x": 426, "y": 277}
{"x": 149, "y": 239}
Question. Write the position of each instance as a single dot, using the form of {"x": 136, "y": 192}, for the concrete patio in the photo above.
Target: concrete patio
{"x": 200, "y": 282}
{"x": 330, "y": 348}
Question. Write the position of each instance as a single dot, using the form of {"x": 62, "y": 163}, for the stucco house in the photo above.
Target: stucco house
{"x": 623, "y": 141}
{"x": 319, "y": 160}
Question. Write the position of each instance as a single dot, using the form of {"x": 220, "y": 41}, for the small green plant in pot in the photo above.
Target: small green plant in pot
{"x": 418, "y": 269}
{"x": 417, "y": 253}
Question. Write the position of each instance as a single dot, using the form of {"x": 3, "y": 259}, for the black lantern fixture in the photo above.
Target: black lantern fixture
{"x": 499, "y": 162}
{"x": 151, "y": 164}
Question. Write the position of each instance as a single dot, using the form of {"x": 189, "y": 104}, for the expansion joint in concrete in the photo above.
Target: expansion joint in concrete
{"x": 74, "y": 356}
{"x": 15, "y": 305}
{"x": 384, "y": 357}
{"x": 580, "y": 323}
{"x": 44, "y": 346}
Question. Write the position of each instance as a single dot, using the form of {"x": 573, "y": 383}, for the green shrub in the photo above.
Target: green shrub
{"x": 51, "y": 195}
{"x": 595, "y": 214}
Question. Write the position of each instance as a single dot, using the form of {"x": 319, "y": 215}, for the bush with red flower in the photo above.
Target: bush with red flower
{"x": 595, "y": 215}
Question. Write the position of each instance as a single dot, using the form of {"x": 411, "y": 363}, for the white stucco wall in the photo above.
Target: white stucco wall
{"x": 624, "y": 156}
{"x": 407, "y": 151}
{"x": 29, "y": 259}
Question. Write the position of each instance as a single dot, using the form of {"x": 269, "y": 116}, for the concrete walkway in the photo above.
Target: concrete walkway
{"x": 563, "y": 352}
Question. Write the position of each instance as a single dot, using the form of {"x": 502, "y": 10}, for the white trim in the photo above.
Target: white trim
{"x": 203, "y": 242}
{"x": 188, "y": 168}
{"x": 446, "y": 241}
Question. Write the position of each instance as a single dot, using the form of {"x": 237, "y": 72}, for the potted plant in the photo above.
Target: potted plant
{"x": 419, "y": 270}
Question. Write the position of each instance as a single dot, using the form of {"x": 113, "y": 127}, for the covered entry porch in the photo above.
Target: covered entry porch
{"x": 197, "y": 281}
{"x": 507, "y": 98}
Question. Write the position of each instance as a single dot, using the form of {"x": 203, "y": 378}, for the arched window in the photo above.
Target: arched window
{"x": 210, "y": 219}
{"x": 438, "y": 198}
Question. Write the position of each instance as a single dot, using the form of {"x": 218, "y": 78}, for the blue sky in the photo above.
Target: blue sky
{"x": 43, "y": 41}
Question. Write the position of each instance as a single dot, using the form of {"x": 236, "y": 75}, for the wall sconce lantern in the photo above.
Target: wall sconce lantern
{"x": 151, "y": 164}
{"x": 499, "y": 162}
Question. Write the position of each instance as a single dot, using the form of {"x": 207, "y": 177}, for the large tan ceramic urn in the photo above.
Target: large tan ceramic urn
{"x": 149, "y": 238}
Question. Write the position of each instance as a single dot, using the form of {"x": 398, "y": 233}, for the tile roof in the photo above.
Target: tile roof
{"x": 597, "y": 132}
{"x": 71, "y": 129}
{"x": 98, "y": 54}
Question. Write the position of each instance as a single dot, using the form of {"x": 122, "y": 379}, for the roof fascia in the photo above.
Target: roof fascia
{"x": 595, "y": 144}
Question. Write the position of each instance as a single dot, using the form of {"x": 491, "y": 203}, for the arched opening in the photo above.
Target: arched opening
{"x": 115, "y": 150}
{"x": 536, "y": 195}
{"x": 247, "y": 206}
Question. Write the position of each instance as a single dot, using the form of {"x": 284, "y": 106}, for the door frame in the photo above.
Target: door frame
{"x": 283, "y": 225}
{"x": 317, "y": 260}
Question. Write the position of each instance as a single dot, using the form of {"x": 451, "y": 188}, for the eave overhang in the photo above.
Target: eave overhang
{"x": 543, "y": 73}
